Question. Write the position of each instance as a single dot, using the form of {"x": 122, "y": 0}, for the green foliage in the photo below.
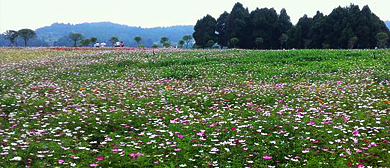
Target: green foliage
{"x": 259, "y": 41}
{"x": 167, "y": 44}
{"x": 113, "y": 40}
{"x": 352, "y": 42}
{"x": 85, "y": 42}
{"x": 238, "y": 26}
{"x": 155, "y": 46}
{"x": 283, "y": 40}
{"x": 234, "y": 42}
{"x": 221, "y": 28}
{"x": 137, "y": 39}
{"x": 210, "y": 44}
{"x": 347, "y": 27}
{"x": 382, "y": 39}
{"x": 93, "y": 40}
{"x": 164, "y": 42}
{"x": 181, "y": 43}
{"x": 11, "y": 35}
{"x": 26, "y": 35}
{"x": 204, "y": 31}
{"x": 75, "y": 37}
{"x": 187, "y": 39}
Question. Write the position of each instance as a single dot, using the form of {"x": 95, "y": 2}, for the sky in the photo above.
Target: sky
{"x": 33, "y": 14}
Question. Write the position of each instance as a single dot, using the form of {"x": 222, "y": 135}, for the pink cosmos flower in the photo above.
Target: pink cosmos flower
{"x": 200, "y": 133}
{"x": 180, "y": 136}
{"x": 267, "y": 157}
{"x": 177, "y": 150}
{"x": 94, "y": 165}
{"x": 60, "y": 161}
{"x": 315, "y": 141}
{"x": 135, "y": 155}
{"x": 355, "y": 132}
{"x": 100, "y": 158}
{"x": 114, "y": 150}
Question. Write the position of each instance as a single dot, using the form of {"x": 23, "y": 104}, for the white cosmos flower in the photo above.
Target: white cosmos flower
{"x": 17, "y": 158}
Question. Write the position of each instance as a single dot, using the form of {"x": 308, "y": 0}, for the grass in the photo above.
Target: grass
{"x": 194, "y": 108}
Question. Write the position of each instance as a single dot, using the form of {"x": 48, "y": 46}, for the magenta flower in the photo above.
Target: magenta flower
{"x": 355, "y": 132}
{"x": 177, "y": 150}
{"x": 315, "y": 141}
{"x": 180, "y": 136}
{"x": 249, "y": 104}
{"x": 267, "y": 157}
{"x": 94, "y": 165}
{"x": 200, "y": 133}
{"x": 135, "y": 155}
{"x": 60, "y": 161}
{"x": 114, "y": 150}
{"x": 100, "y": 158}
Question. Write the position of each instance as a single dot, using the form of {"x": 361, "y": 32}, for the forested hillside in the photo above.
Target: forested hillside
{"x": 344, "y": 27}
{"x": 57, "y": 34}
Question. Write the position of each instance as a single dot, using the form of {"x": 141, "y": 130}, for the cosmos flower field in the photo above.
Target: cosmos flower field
{"x": 194, "y": 108}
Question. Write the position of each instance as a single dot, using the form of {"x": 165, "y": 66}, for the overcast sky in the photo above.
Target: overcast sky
{"x": 18, "y": 14}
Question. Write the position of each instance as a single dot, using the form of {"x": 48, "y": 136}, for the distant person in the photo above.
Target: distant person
{"x": 122, "y": 44}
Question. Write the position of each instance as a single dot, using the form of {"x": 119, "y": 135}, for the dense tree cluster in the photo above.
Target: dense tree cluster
{"x": 347, "y": 27}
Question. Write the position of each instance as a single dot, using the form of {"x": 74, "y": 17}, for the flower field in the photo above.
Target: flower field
{"x": 194, "y": 108}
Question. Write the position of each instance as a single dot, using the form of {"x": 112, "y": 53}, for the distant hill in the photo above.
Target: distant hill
{"x": 57, "y": 33}
{"x": 387, "y": 24}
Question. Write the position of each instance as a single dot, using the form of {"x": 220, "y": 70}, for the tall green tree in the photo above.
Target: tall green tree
{"x": 75, "y": 37}
{"x": 284, "y": 23}
{"x": 187, "y": 39}
{"x": 85, "y": 42}
{"x": 11, "y": 35}
{"x": 113, "y": 40}
{"x": 164, "y": 41}
{"x": 204, "y": 30}
{"x": 26, "y": 35}
{"x": 93, "y": 40}
{"x": 283, "y": 40}
{"x": 181, "y": 43}
{"x": 304, "y": 25}
{"x": 265, "y": 22}
{"x": 221, "y": 29}
{"x": 238, "y": 25}
{"x": 137, "y": 39}
{"x": 316, "y": 32}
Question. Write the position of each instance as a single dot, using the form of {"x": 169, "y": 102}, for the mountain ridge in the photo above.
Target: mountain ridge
{"x": 56, "y": 34}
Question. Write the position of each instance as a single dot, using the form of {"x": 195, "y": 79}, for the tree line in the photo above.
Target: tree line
{"x": 79, "y": 40}
{"x": 344, "y": 28}
{"x": 24, "y": 34}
